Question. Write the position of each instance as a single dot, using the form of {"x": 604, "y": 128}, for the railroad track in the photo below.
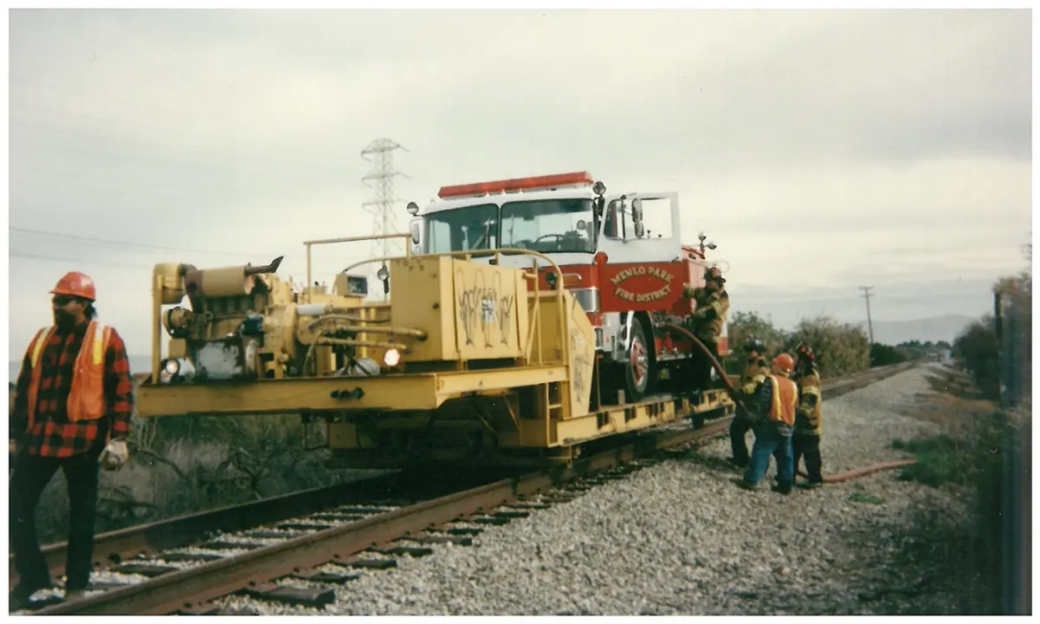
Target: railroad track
{"x": 338, "y": 543}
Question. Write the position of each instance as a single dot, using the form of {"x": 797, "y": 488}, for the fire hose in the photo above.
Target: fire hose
{"x": 711, "y": 358}
{"x": 838, "y": 478}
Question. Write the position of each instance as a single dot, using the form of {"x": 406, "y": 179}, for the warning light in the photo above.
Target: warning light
{"x": 578, "y": 178}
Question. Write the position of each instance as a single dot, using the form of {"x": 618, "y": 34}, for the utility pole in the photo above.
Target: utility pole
{"x": 870, "y": 326}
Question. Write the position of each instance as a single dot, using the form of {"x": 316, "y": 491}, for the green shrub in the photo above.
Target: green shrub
{"x": 977, "y": 349}
{"x": 885, "y": 355}
{"x": 841, "y": 348}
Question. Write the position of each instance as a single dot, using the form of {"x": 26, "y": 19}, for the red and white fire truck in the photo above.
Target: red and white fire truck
{"x": 621, "y": 256}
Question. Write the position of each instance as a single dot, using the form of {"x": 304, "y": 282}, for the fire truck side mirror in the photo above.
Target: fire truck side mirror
{"x": 637, "y": 218}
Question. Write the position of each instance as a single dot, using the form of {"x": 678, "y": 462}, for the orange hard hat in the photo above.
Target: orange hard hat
{"x": 784, "y": 362}
{"x": 76, "y": 284}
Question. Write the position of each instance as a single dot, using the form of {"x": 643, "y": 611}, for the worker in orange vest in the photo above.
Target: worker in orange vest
{"x": 774, "y": 425}
{"x": 71, "y": 411}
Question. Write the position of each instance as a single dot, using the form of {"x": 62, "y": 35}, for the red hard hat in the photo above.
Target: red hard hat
{"x": 784, "y": 362}
{"x": 76, "y": 284}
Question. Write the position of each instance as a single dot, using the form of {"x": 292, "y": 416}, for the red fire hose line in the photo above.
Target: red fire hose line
{"x": 862, "y": 472}
{"x": 838, "y": 478}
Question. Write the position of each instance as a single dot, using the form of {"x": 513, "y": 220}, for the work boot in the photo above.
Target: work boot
{"x": 72, "y": 595}
{"x": 810, "y": 485}
{"x": 741, "y": 483}
{"x": 786, "y": 491}
{"x": 20, "y": 597}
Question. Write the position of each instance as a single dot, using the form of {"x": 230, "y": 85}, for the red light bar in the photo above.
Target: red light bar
{"x": 516, "y": 184}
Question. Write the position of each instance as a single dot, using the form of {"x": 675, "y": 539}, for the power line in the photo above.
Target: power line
{"x": 141, "y": 245}
{"x": 17, "y": 254}
{"x": 866, "y": 290}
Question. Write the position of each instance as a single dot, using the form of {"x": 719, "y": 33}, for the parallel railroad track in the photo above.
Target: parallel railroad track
{"x": 343, "y": 542}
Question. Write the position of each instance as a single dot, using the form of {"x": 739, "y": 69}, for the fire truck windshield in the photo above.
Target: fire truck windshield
{"x": 462, "y": 229}
{"x": 554, "y": 225}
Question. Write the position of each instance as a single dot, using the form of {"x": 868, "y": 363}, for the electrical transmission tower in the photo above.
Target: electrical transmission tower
{"x": 866, "y": 293}
{"x": 381, "y": 179}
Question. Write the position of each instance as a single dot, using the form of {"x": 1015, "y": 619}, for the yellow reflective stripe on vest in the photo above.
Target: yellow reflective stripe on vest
{"x": 42, "y": 337}
{"x": 777, "y": 406}
{"x": 99, "y": 348}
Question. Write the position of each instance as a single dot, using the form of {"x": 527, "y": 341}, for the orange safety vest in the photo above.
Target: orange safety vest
{"x": 87, "y": 395}
{"x": 785, "y": 400}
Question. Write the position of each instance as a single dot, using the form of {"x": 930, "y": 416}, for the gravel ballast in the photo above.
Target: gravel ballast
{"x": 680, "y": 538}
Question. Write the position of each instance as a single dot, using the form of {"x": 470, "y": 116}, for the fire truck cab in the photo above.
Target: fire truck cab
{"x": 621, "y": 256}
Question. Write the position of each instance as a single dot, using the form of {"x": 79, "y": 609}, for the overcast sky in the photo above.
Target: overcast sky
{"x": 821, "y": 151}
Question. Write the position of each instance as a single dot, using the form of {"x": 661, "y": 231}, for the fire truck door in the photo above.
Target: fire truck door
{"x": 641, "y": 227}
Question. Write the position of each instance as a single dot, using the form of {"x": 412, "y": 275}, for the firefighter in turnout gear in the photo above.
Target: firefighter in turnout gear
{"x": 774, "y": 426}
{"x": 807, "y": 424}
{"x": 755, "y": 371}
{"x": 708, "y": 320}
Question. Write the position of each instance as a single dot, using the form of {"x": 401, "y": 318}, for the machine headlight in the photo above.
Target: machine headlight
{"x": 177, "y": 370}
{"x": 392, "y": 358}
{"x": 383, "y": 273}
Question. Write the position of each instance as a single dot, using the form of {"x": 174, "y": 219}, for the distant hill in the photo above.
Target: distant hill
{"x": 925, "y": 330}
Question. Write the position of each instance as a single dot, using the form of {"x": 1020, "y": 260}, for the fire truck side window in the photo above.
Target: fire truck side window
{"x": 463, "y": 229}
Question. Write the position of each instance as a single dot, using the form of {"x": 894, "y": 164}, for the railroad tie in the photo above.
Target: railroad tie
{"x": 442, "y": 539}
{"x": 337, "y": 517}
{"x": 311, "y": 597}
{"x": 529, "y": 506}
{"x": 411, "y": 551}
{"x": 208, "y": 608}
{"x": 513, "y": 514}
{"x": 361, "y": 510}
{"x": 150, "y": 570}
{"x": 231, "y": 545}
{"x": 302, "y": 526}
{"x": 181, "y": 556}
{"x": 326, "y": 577}
{"x": 267, "y": 534}
{"x": 105, "y": 585}
{"x": 491, "y": 520}
{"x": 368, "y": 564}
{"x": 465, "y": 531}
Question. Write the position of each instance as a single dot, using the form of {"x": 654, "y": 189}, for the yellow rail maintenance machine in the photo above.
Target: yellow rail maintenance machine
{"x": 467, "y": 362}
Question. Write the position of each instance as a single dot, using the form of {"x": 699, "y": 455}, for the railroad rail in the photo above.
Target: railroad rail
{"x": 359, "y": 542}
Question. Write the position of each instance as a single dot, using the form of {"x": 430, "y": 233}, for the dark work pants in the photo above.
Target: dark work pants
{"x": 809, "y": 446}
{"x": 31, "y": 476}
{"x": 738, "y": 429}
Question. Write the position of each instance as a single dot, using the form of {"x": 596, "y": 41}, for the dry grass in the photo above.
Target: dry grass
{"x": 954, "y": 403}
{"x": 975, "y": 457}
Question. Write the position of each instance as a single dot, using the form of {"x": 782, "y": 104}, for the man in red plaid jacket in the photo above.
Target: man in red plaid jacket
{"x": 72, "y": 411}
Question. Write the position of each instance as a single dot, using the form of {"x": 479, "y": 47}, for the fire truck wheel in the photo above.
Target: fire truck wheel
{"x": 639, "y": 367}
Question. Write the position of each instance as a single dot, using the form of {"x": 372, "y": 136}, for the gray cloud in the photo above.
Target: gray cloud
{"x": 805, "y": 143}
